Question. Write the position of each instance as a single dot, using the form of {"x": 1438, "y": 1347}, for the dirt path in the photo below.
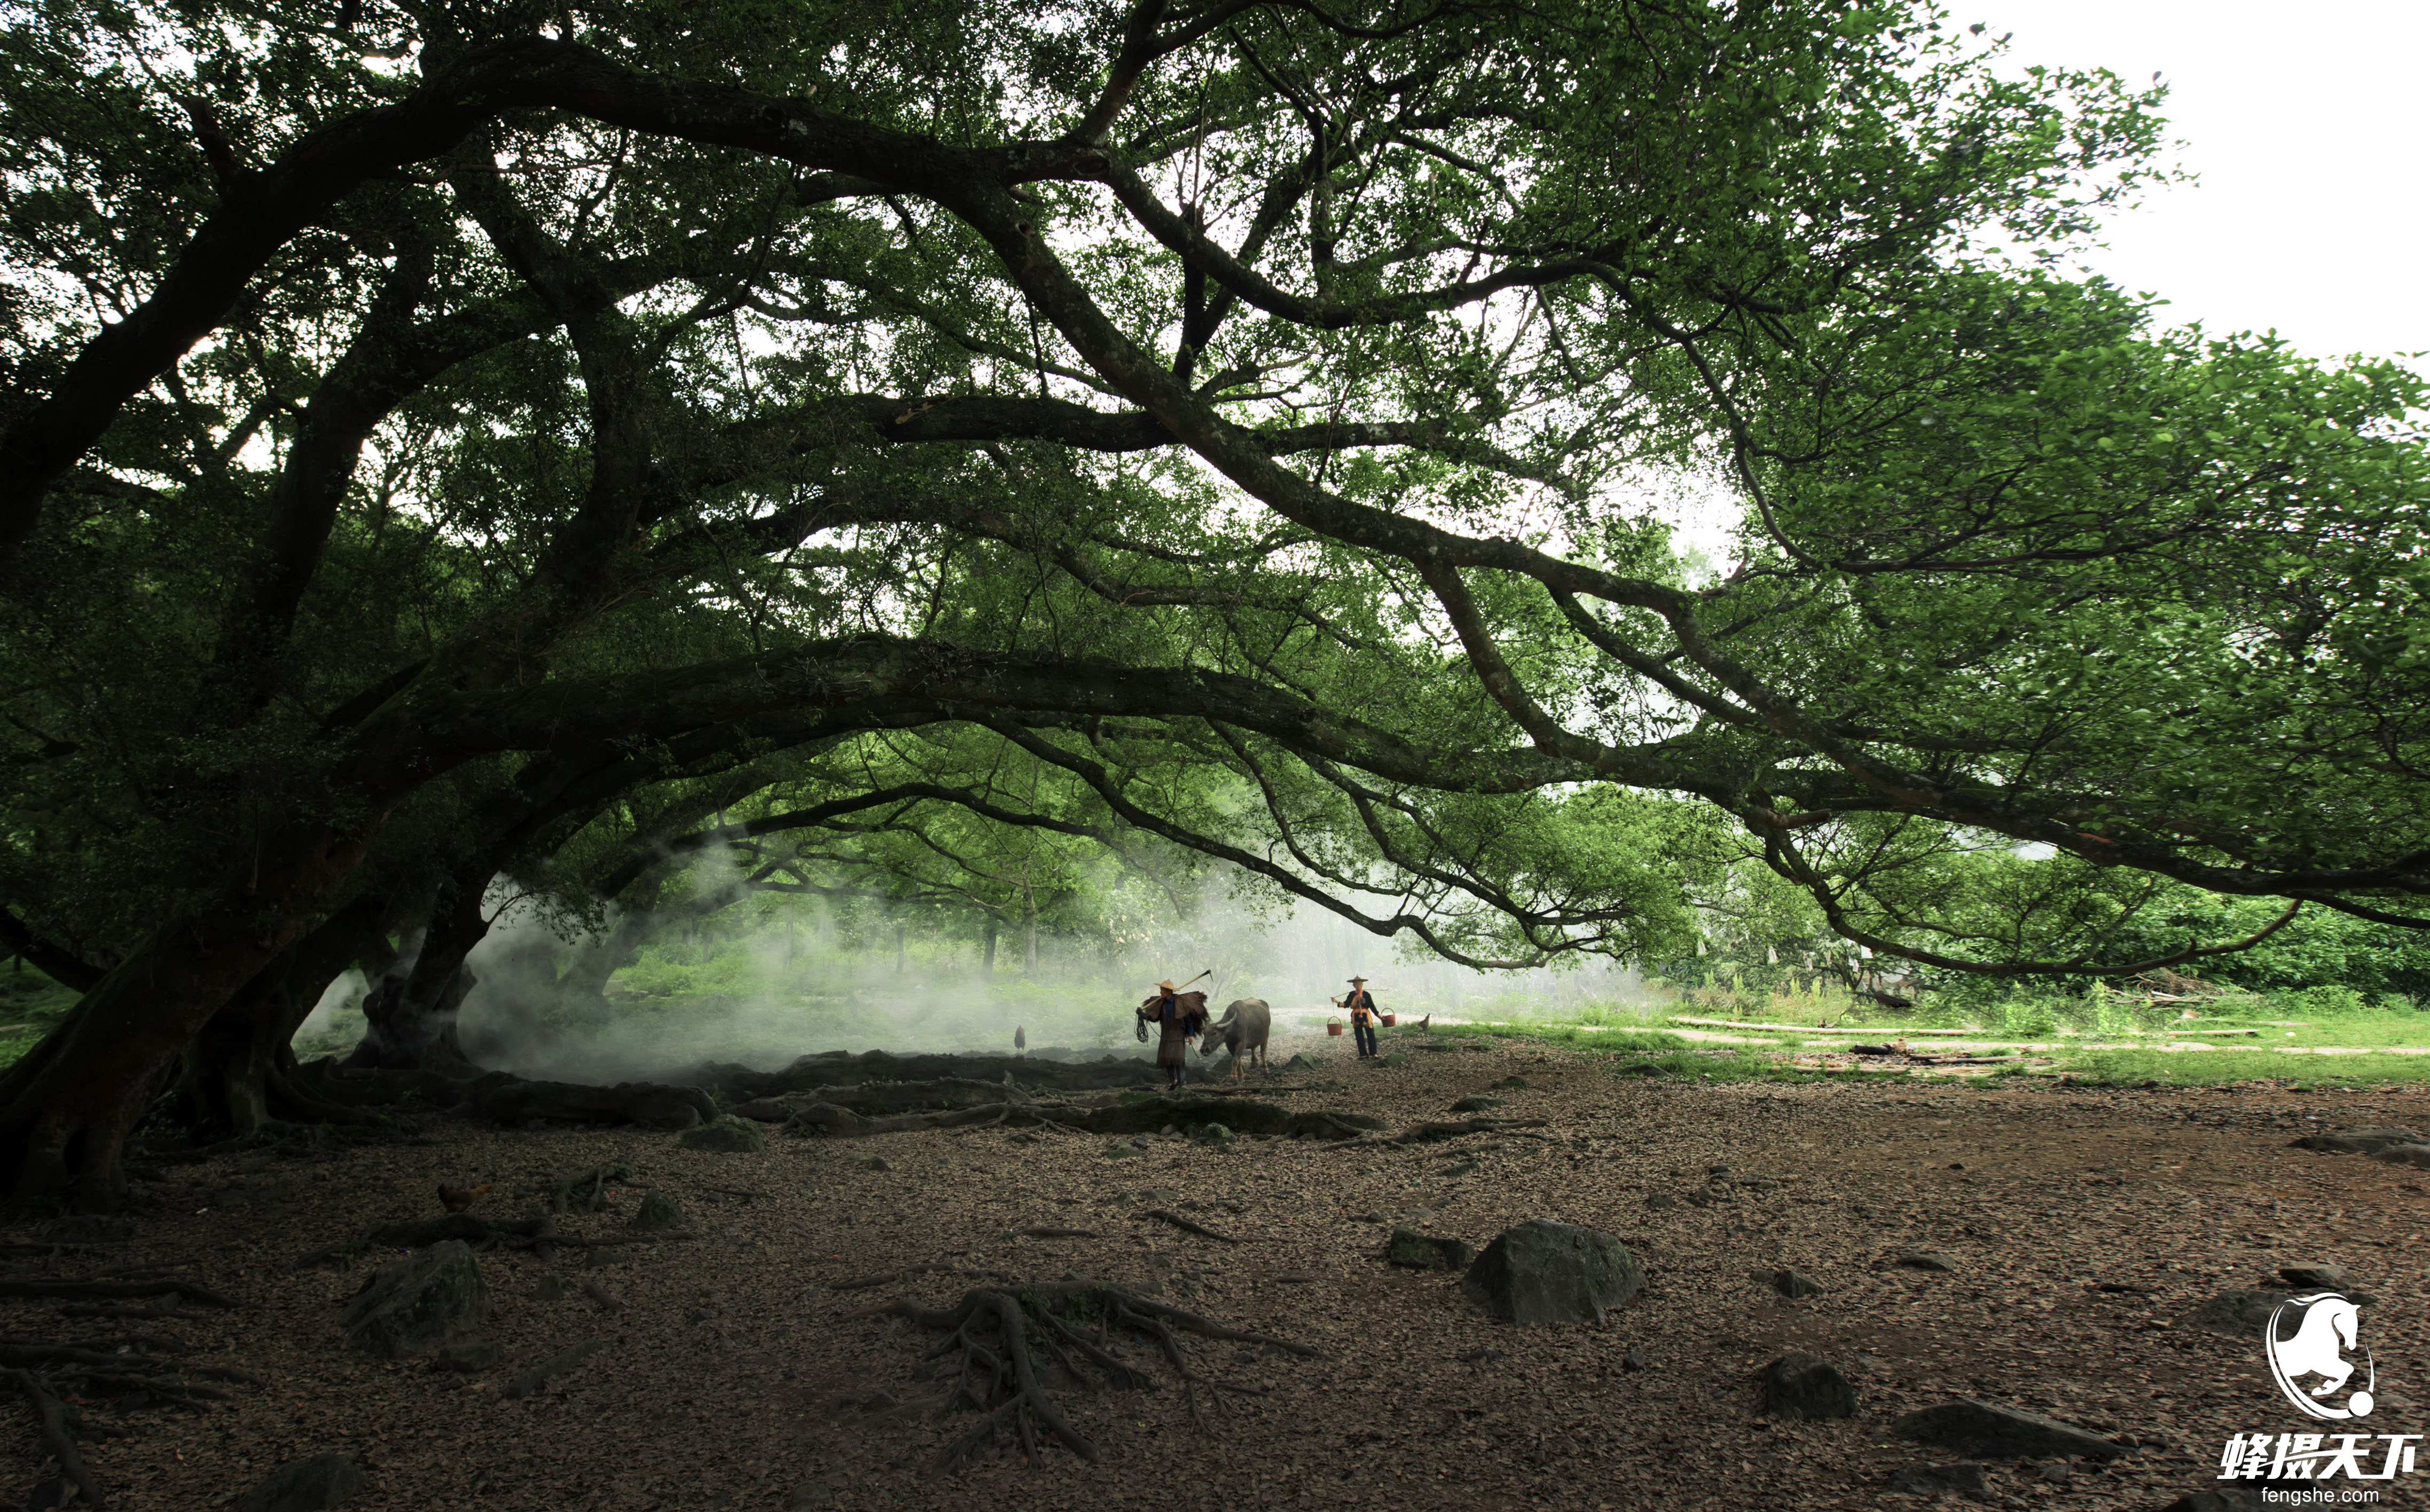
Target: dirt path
{"x": 733, "y": 1377}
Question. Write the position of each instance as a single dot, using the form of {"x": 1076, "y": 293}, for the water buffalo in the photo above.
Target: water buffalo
{"x": 1241, "y": 1030}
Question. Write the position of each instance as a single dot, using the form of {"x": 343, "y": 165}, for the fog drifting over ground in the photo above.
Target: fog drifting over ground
{"x": 787, "y": 986}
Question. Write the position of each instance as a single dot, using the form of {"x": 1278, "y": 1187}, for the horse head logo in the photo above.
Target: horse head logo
{"x": 2327, "y": 1325}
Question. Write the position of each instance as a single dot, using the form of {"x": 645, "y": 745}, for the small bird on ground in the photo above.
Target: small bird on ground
{"x": 456, "y": 1199}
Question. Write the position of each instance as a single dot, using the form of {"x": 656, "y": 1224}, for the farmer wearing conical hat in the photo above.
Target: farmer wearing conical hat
{"x": 1178, "y": 1015}
{"x": 1361, "y": 1004}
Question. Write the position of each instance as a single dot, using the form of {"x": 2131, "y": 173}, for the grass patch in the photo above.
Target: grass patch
{"x": 2133, "y": 1068}
{"x": 30, "y": 1003}
{"x": 1569, "y": 1032}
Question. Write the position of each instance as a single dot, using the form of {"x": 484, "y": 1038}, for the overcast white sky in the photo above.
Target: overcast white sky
{"x": 2305, "y": 123}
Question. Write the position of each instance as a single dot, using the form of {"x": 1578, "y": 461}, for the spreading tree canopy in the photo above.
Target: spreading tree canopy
{"x": 451, "y": 439}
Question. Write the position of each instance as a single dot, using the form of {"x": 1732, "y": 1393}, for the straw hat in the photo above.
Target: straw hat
{"x": 1359, "y": 981}
{"x": 1167, "y": 985}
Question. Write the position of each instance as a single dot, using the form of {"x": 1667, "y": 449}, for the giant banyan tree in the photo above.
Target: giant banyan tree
{"x": 451, "y": 441}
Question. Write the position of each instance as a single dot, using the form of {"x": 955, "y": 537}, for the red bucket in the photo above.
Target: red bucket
{"x": 1334, "y": 1029}
{"x": 1391, "y": 1019}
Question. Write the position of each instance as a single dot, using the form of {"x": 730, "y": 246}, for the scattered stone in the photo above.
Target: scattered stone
{"x": 1792, "y": 1284}
{"x": 2315, "y": 1276}
{"x": 1425, "y": 1252}
{"x": 1708, "y": 1196}
{"x": 658, "y": 1213}
{"x": 1939, "y": 1480}
{"x": 1928, "y": 1260}
{"x": 311, "y": 1485}
{"x": 1481, "y": 1356}
{"x": 529, "y": 1381}
{"x": 468, "y": 1357}
{"x": 1981, "y": 1428}
{"x": 726, "y": 1133}
{"x": 1214, "y": 1134}
{"x": 1124, "y": 1150}
{"x": 2056, "y": 1473}
{"x": 1660, "y": 1198}
{"x": 873, "y": 1163}
{"x": 1546, "y": 1273}
{"x": 1800, "y": 1385}
{"x": 1635, "y": 1361}
{"x": 1479, "y": 1103}
{"x": 418, "y": 1303}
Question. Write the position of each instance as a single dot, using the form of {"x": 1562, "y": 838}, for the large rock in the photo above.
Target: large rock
{"x": 2247, "y": 1308}
{"x": 1981, "y": 1428}
{"x": 1547, "y": 1272}
{"x": 2358, "y": 1141}
{"x": 1801, "y": 1386}
{"x": 2316, "y": 1275}
{"x": 658, "y": 1213}
{"x": 727, "y": 1133}
{"x": 418, "y": 1303}
{"x": 313, "y": 1484}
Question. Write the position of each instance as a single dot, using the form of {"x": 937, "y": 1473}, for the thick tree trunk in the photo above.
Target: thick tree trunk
{"x": 66, "y": 1108}
{"x": 582, "y": 990}
{"x": 238, "y": 1075}
{"x": 415, "y": 1030}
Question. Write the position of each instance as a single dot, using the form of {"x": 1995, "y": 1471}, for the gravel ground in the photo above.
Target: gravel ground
{"x": 735, "y": 1375}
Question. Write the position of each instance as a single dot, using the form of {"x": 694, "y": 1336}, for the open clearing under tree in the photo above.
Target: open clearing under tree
{"x": 789, "y": 1346}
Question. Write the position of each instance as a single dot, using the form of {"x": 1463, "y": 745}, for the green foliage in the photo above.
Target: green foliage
{"x": 645, "y": 517}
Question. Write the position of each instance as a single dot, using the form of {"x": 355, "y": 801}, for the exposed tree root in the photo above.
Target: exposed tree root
{"x": 583, "y": 1191}
{"x": 50, "y": 1424}
{"x": 888, "y": 1278}
{"x": 536, "y": 1234}
{"x": 1180, "y": 1222}
{"x": 997, "y": 1334}
{"x": 163, "y": 1287}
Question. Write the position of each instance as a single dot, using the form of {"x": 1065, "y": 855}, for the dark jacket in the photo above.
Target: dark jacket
{"x": 1361, "y": 1004}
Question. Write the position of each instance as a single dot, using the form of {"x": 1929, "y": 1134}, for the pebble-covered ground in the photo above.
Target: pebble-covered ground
{"x": 2084, "y": 1226}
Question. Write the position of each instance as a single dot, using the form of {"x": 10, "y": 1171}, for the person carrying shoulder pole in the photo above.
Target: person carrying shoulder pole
{"x": 1361, "y": 1004}
{"x": 1179, "y": 1016}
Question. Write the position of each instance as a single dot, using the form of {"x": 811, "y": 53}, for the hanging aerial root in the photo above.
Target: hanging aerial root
{"x": 994, "y": 1336}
